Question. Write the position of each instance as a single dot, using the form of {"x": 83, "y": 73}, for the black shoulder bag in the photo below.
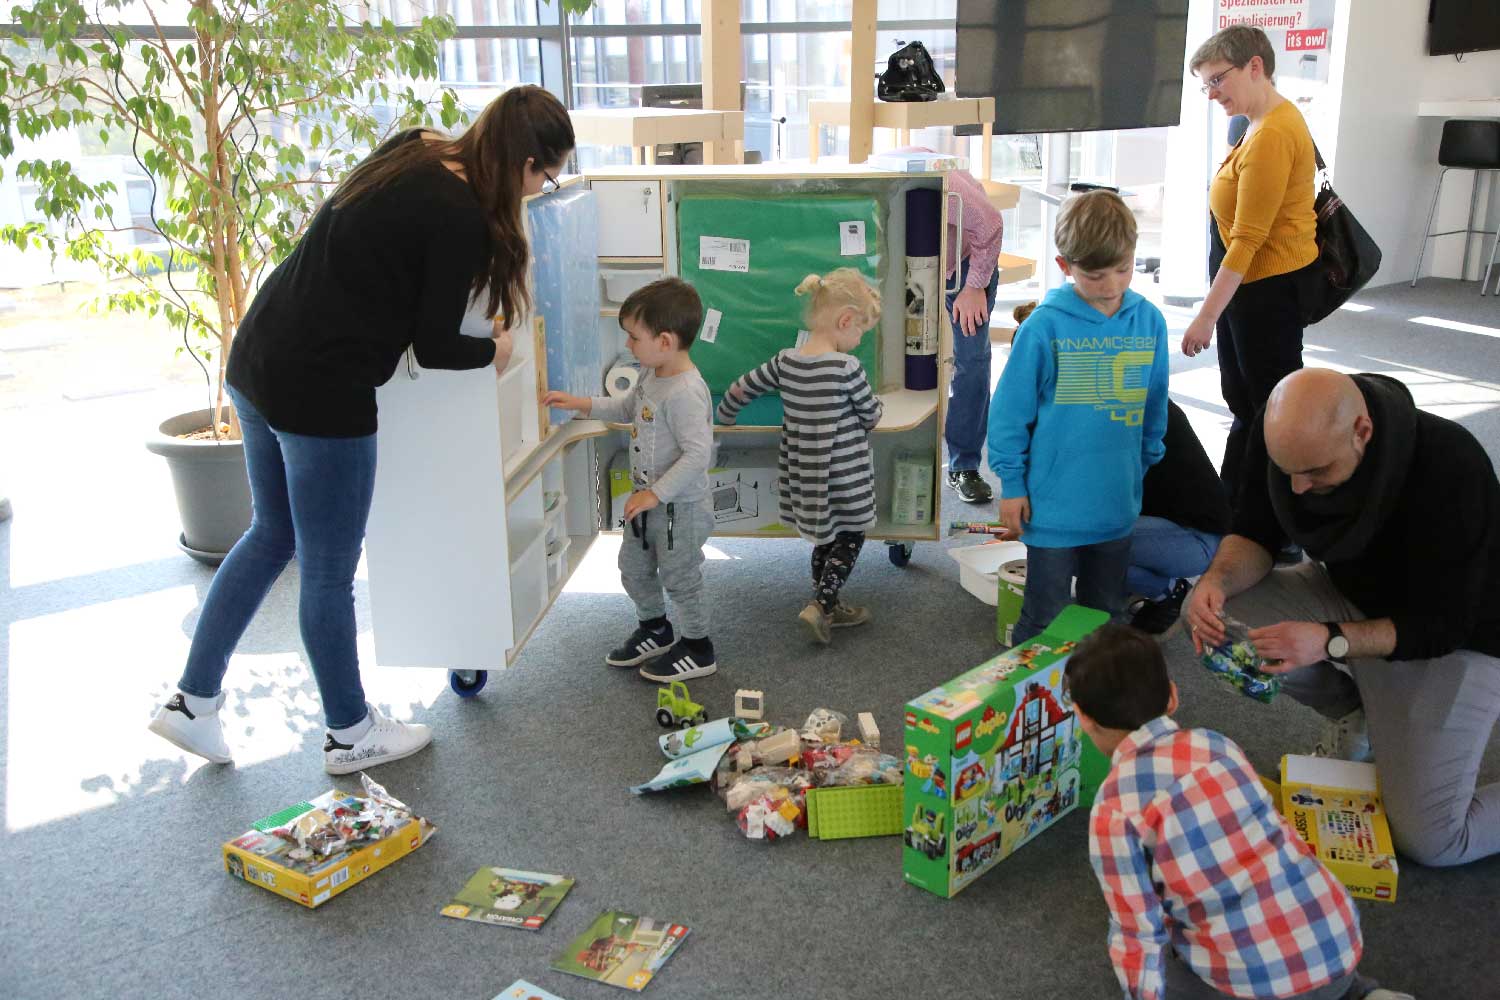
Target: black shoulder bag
{"x": 1347, "y": 256}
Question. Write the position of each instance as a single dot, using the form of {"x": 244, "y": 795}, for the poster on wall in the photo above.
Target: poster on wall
{"x": 1301, "y": 32}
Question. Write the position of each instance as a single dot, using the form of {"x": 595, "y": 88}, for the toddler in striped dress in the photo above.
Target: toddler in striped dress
{"x": 825, "y": 472}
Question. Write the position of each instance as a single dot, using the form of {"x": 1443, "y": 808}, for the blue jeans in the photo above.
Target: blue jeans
{"x": 968, "y": 418}
{"x": 1162, "y": 552}
{"x": 310, "y": 497}
{"x": 1100, "y": 569}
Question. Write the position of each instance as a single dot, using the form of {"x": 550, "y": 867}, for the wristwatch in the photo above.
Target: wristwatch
{"x": 1338, "y": 643}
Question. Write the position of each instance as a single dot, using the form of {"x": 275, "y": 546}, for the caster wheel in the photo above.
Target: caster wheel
{"x": 468, "y": 683}
{"x": 899, "y": 553}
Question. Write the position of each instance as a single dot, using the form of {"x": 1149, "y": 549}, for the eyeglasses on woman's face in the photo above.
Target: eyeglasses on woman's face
{"x": 1214, "y": 82}
{"x": 549, "y": 183}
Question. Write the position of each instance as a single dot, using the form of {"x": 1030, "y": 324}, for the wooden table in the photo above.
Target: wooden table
{"x": 908, "y": 115}
{"x": 643, "y": 129}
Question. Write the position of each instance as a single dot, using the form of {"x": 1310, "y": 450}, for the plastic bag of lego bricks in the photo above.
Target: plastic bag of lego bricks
{"x": 762, "y": 781}
{"x": 824, "y": 726}
{"x": 349, "y": 820}
{"x": 778, "y": 813}
{"x": 1235, "y": 662}
{"x": 858, "y": 765}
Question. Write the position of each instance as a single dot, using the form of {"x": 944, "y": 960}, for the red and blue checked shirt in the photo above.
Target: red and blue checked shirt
{"x": 1192, "y": 854}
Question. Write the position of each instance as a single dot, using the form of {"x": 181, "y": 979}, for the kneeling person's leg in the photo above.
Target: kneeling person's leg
{"x": 1430, "y": 721}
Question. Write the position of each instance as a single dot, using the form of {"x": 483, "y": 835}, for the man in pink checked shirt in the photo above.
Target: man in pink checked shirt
{"x": 973, "y": 254}
{"x": 1210, "y": 893}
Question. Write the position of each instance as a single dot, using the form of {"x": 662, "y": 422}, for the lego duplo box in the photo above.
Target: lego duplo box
{"x": 1334, "y": 805}
{"x": 993, "y": 758}
{"x": 261, "y": 858}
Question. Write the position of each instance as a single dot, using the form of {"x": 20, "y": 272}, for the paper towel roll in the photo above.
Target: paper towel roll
{"x": 621, "y": 380}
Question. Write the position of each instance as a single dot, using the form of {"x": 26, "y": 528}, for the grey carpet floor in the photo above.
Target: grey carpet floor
{"x": 110, "y": 847}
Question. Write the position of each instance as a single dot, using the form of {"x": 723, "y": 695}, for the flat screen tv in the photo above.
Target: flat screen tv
{"x": 1457, "y": 26}
{"x": 1074, "y": 65}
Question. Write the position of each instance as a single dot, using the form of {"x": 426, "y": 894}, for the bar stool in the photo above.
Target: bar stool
{"x": 1466, "y": 145}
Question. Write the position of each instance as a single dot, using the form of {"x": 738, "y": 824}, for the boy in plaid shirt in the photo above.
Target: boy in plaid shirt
{"x": 1210, "y": 892}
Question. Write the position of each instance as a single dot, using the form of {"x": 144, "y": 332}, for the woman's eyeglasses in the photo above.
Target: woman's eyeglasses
{"x": 554, "y": 185}
{"x": 1213, "y": 82}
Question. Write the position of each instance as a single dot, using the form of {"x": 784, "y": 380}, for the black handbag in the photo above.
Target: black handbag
{"x": 910, "y": 76}
{"x": 1347, "y": 255}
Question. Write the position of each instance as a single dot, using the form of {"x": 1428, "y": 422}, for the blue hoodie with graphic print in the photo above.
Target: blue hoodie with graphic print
{"x": 1078, "y": 417}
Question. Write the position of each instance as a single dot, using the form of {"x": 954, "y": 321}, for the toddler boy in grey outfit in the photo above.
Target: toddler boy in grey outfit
{"x": 667, "y": 516}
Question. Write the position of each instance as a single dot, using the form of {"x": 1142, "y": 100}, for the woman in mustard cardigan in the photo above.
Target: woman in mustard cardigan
{"x": 1262, "y": 205}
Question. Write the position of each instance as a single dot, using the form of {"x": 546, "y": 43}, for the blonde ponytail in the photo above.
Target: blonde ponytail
{"x": 844, "y": 288}
{"x": 810, "y": 284}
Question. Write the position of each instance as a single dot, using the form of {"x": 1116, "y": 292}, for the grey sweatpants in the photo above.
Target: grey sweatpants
{"x": 674, "y": 563}
{"x": 1429, "y": 720}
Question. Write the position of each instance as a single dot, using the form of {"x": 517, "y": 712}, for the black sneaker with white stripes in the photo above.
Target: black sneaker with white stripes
{"x": 645, "y": 643}
{"x": 692, "y": 658}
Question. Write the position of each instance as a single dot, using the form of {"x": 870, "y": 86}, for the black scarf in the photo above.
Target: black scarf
{"x": 1338, "y": 525}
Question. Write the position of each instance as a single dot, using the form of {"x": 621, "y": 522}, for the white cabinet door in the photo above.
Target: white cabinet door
{"x": 629, "y": 218}
{"x": 436, "y": 544}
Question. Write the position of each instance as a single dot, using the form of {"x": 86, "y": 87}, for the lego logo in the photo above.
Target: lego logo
{"x": 1382, "y": 892}
{"x": 911, "y": 718}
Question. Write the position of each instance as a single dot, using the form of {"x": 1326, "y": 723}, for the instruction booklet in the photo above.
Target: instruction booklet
{"x": 522, "y": 990}
{"x": 509, "y": 898}
{"x": 621, "y": 949}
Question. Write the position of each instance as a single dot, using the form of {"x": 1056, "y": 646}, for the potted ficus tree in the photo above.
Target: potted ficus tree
{"x": 241, "y": 122}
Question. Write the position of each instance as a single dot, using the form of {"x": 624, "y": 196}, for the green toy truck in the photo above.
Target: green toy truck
{"x": 675, "y": 708}
{"x": 926, "y": 833}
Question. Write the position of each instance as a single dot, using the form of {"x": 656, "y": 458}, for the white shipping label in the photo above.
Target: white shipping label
{"x": 710, "y": 331}
{"x": 851, "y": 239}
{"x": 717, "y": 253}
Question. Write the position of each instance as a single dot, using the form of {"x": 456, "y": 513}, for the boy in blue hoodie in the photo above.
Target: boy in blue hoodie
{"x": 1078, "y": 417}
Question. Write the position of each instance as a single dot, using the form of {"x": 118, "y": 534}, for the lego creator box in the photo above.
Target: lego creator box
{"x": 993, "y": 758}
{"x": 1335, "y": 806}
{"x": 293, "y": 854}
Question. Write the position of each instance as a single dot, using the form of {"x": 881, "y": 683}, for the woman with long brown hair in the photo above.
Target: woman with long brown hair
{"x": 391, "y": 260}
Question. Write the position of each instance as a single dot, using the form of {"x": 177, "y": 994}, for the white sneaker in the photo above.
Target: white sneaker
{"x": 198, "y": 733}
{"x": 385, "y": 741}
{"x": 1384, "y": 994}
{"x": 1347, "y": 739}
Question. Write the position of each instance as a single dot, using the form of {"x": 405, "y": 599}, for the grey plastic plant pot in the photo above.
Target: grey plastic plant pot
{"x": 213, "y": 493}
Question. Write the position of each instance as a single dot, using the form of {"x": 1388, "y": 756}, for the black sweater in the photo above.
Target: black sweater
{"x": 1433, "y": 568}
{"x": 1184, "y": 487}
{"x": 392, "y": 269}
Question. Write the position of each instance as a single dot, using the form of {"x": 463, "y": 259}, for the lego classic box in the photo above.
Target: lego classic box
{"x": 995, "y": 757}
{"x": 1334, "y": 805}
{"x": 314, "y": 850}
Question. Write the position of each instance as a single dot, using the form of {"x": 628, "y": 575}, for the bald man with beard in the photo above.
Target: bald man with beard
{"x": 1391, "y": 630}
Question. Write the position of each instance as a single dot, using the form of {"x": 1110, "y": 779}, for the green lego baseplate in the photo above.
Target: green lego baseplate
{"x": 280, "y": 819}
{"x": 854, "y": 811}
